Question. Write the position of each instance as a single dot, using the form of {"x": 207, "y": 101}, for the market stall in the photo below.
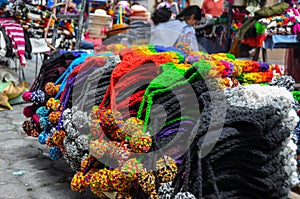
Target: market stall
{"x": 148, "y": 121}
{"x": 271, "y": 27}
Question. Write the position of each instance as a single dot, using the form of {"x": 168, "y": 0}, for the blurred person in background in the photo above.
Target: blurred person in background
{"x": 173, "y": 6}
{"x": 168, "y": 32}
{"x": 212, "y": 8}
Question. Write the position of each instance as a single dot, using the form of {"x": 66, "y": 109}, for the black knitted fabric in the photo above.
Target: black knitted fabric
{"x": 177, "y": 102}
{"x": 245, "y": 158}
{"x": 52, "y": 69}
{"x": 91, "y": 91}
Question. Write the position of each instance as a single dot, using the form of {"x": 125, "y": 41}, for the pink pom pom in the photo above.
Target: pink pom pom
{"x": 28, "y": 111}
{"x": 26, "y": 96}
{"x": 36, "y": 119}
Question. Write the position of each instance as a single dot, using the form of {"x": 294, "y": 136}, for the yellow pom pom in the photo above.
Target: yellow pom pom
{"x": 140, "y": 143}
{"x": 58, "y": 137}
{"x": 78, "y": 182}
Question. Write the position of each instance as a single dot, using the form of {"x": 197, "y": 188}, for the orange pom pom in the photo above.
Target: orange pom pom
{"x": 50, "y": 88}
{"x": 54, "y": 117}
{"x": 58, "y": 137}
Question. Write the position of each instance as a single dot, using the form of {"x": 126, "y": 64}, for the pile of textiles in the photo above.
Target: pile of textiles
{"x": 236, "y": 152}
{"x": 12, "y": 40}
{"x": 132, "y": 122}
{"x": 11, "y": 88}
{"x": 287, "y": 23}
{"x": 252, "y": 32}
{"x": 121, "y": 13}
{"x": 139, "y": 12}
{"x": 139, "y": 32}
{"x": 35, "y": 18}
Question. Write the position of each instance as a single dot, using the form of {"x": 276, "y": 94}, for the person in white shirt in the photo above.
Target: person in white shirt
{"x": 167, "y": 32}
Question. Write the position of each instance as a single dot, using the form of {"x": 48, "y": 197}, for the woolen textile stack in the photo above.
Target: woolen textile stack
{"x": 254, "y": 136}
{"x": 76, "y": 119}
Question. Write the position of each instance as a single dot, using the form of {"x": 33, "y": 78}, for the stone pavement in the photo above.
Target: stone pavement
{"x": 26, "y": 170}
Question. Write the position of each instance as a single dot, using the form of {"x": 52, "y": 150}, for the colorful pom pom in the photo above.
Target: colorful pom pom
{"x": 78, "y": 182}
{"x": 140, "y": 143}
{"x": 148, "y": 183}
{"x": 44, "y": 122}
{"x": 38, "y": 97}
{"x": 132, "y": 167}
{"x": 26, "y": 96}
{"x": 95, "y": 189}
{"x": 55, "y": 153}
{"x": 96, "y": 129}
{"x": 58, "y": 137}
{"x": 132, "y": 125}
{"x": 54, "y": 117}
{"x": 112, "y": 123}
{"x": 166, "y": 169}
{"x": 165, "y": 190}
{"x": 28, "y": 111}
{"x": 118, "y": 151}
{"x": 42, "y": 111}
{"x": 34, "y": 133}
{"x": 88, "y": 162}
{"x": 95, "y": 113}
{"x": 120, "y": 182}
{"x": 36, "y": 119}
{"x": 184, "y": 195}
{"x": 50, "y": 88}
{"x": 27, "y": 127}
{"x": 98, "y": 148}
{"x": 49, "y": 142}
{"x": 30, "y": 129}
{"x": 53, "y": 104}
{"x": 43, "y": 137}
{"x": 101, "y": 180}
